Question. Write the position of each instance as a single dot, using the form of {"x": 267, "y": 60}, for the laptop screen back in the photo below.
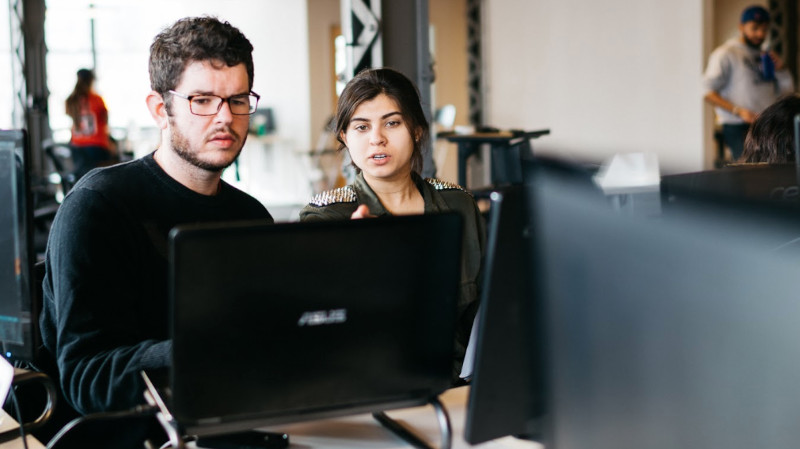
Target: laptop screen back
{"x": 288, "y": 322}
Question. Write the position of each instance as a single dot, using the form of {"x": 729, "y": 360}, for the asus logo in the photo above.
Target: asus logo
{"x": 321, "y": 317}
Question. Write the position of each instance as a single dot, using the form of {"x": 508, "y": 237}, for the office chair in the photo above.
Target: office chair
{"x": 60, "y": 155}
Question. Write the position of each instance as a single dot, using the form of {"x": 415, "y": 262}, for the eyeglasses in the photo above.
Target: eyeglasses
{"x": 244, "y": 104}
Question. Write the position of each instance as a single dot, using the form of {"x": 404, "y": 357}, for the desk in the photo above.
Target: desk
{"x": 9, "y": 423}
{"x": 506, "y": 147}
{"x": 362, "y": 431}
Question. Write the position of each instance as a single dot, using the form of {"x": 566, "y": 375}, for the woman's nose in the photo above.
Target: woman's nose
{"x": 377, "y": 137}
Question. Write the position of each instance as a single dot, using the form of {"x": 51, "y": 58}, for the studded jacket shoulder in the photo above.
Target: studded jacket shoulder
{"x": 346, "y": 194}
{"x": 438, "y": 184}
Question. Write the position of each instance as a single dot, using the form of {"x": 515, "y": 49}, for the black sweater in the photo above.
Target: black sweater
{"x": 105, "y": 310}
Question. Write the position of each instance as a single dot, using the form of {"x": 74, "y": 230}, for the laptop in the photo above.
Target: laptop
{"x": 298, "y": 321}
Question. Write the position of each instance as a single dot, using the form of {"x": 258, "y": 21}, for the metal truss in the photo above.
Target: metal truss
{"x": 17, "y": 63}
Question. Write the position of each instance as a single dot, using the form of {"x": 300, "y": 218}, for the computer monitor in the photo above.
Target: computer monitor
{"x": 262, "y": 122}
{"x": 763, "y": 183}
{"x": 18, "y": 314}
{"x": 797, "y": 143}
{"x": 506, "y": 391}
{"x": 672, "y": 332}
{"x": 508, "y": 386}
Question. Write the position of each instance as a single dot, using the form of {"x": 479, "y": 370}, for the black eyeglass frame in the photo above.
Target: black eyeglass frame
{"x": 189, "y": 98}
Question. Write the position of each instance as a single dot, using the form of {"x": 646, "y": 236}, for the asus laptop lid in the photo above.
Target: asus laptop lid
{"x": 297, "y": 321}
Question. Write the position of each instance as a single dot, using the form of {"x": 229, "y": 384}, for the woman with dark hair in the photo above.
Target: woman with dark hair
{"x": 770, "y": 138}
{"x": 90, "y": 142}
{"x": 380, "y": 122}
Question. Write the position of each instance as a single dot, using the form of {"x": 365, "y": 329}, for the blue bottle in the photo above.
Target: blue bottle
{"x": 767, "y": 67}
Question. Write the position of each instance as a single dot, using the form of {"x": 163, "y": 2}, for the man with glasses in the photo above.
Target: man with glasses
{"x": 105, "y": 311}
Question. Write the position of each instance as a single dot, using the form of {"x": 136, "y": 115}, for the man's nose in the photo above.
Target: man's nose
{"x": 224, "y": 114}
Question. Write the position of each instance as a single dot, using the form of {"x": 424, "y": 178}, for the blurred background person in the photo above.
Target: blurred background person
{"x": 742, "y": 78}
{"x": 91, "y": 144}
{"x": 771, "y": 137}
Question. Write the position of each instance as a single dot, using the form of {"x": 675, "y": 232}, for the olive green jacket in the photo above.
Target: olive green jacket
{"x": 439, "y": 196}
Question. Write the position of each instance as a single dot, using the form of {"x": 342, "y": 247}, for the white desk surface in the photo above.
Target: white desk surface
{"x": 362, "y": 431}
{"x": 9, "y": 423}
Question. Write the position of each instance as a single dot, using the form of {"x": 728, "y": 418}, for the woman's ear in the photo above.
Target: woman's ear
{"x": 418, "y": 134}
{"x": 157, "y": 108}
{"x": 343, "y": 138}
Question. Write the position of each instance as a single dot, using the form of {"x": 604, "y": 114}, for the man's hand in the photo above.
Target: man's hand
{"x": 776, "y": 60}
{"x": 361, "y": 212}
{"x": 747, "y": 115}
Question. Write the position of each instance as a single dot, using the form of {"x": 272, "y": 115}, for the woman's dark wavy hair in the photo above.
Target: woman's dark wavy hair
{"x": 195, "y": 39}
{"x": 370, "y": 83}
{"x": 771, "y": 136}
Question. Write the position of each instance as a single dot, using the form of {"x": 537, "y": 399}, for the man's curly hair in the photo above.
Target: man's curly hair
{"x": 194, "y": 39}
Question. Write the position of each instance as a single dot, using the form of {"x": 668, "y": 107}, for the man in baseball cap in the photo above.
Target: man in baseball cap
{"x": 742, "y": 79}
{"x": 755, "y": 14}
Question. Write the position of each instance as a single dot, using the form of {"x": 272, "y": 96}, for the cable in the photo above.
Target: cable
{"x": 13, "y": 396}
{"x": 21, "y": 377}
{"x": 139, "y": 410}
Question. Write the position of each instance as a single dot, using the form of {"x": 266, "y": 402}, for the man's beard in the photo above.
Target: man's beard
{"x": 751, "y": 44}
{"x": 180, "y": 145}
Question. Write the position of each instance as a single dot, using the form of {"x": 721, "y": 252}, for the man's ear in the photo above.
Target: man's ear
{"x": 157, "y": 108}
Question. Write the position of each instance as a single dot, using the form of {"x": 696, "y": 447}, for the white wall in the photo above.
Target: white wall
{"x": 323, "y": 16}
{"x": 276, "y": 28}
{"x": 6, "y": 85}
{"x": 606, "y": 77}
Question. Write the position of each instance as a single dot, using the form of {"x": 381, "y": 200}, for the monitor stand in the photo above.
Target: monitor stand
{"x": 409, "y": 436}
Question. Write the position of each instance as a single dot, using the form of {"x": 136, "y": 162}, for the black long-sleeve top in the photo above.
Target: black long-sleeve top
{"x": 105, "y": 310}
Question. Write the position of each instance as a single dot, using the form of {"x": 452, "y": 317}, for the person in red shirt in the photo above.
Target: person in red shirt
{"x": 90, "y": 143}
